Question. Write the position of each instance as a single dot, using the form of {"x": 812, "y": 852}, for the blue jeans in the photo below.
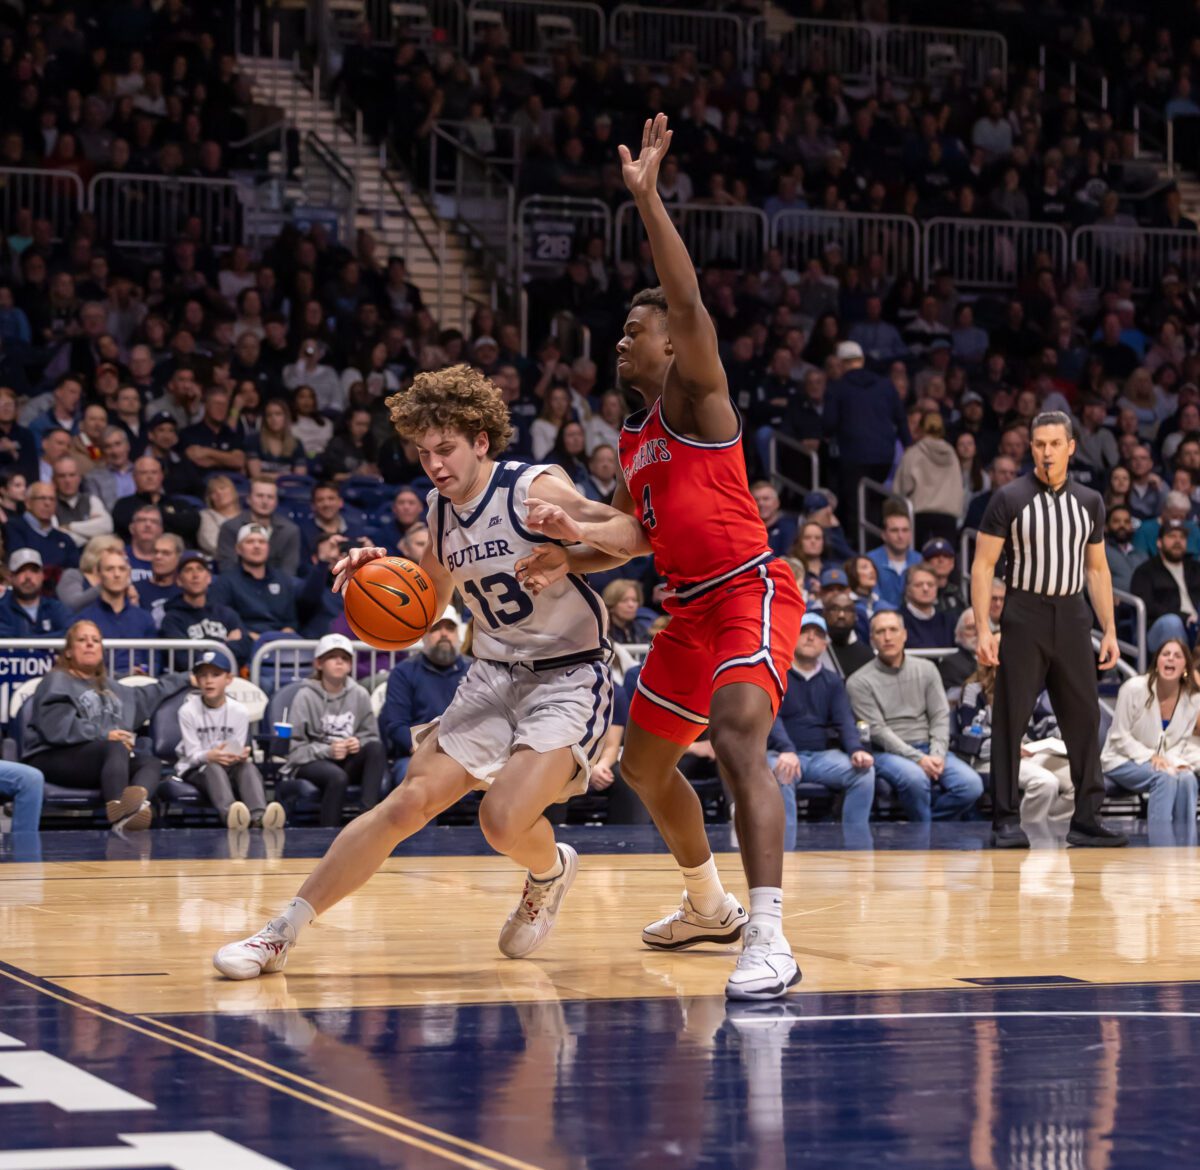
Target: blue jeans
{"x": 957, "y": 791}
{"x": 1170, "y": 625}
{"x": 833, "y": 770}
{"x": 25, "y": 785}
{"x": 1172, "y": 794}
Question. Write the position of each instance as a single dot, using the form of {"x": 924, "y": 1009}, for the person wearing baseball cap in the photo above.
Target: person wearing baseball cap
{"x": 265, "y": 597}
{"x": 1169, "y": 584}
{"x": 818, "y": 509}
{"x": 815, "y": 739}
{"x": 939, "y": 555}
{"x": 24, "y": 612}
{"x": 192, "y": 615}
{"x": 214, "y": 748}
{"x": 865, "y": 416}
{"x": 420, "y": 688}
{"x": 335, "y": 737}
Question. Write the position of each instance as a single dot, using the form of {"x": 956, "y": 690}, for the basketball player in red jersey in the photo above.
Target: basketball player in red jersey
{"x": 722, "y": 662}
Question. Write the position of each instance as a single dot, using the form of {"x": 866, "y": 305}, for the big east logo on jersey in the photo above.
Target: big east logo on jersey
{"x": 653, "y": 451}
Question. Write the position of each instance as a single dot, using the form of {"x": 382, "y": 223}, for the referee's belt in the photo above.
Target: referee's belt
{"x": 581, "y": 659}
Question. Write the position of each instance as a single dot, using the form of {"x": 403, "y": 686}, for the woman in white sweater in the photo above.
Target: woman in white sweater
{"x": 1151, "y": 746}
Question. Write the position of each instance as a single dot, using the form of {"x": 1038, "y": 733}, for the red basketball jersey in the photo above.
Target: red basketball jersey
{"x": 693, "y": 500}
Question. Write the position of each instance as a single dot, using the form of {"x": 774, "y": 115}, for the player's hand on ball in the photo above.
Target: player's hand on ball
{"x": 552, "y": 521}
{"x": 344, "y": 568}
{"x": 641, "y": 173}
{"x": 542, "y": 568}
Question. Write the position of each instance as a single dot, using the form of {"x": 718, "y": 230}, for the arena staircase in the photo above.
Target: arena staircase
{"x": 439, "y": 258}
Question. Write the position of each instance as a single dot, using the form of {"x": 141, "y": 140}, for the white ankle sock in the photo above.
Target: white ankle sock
{"x": 766, "y": 908}
{"x": 297, "y": 914}
{"x": 554, "y": 871}
{"x": 704, "y": 888}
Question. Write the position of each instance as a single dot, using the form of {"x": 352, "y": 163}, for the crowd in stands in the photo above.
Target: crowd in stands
{"x": 189, "y": 442}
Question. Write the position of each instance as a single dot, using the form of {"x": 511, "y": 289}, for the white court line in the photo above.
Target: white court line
{"x": 994, "y": 1016}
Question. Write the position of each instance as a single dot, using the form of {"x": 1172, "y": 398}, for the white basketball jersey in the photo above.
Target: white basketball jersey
{"x": 480, "y": 550}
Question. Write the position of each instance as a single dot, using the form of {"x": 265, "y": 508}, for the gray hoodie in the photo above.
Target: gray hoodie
{"x": 68, "y": 711}
{"x": 318, "y": 717}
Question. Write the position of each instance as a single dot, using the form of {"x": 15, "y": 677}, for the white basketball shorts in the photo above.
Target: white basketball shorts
{"x": 499, "y": 708}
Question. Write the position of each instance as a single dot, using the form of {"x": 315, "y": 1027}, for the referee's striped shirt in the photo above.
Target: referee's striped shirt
{"x": 1045, "y": 533}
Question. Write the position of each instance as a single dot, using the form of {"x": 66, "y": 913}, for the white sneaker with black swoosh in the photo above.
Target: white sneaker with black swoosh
{"x": 527, "y": 926}
{"x": 687, "y": 926}
{"x": 765, "y": 969}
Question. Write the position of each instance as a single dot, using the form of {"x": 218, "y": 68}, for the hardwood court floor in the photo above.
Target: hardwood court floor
{"x": 137, "y": 935}
{"x": 961, "y": 1008}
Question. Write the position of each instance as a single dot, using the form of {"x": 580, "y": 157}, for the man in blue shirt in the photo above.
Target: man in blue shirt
{"x": 192, "y": 616}
{"x": 264, "y": 597}
{"x": 929, "y": 628}
{"x": 895, "y": 556}
{"x": 420, "y": 688}
{"x": 814, "y": 737}
{"x": 113, "y": 614}
{"x": 212, "y": 444}
{"x": 880, "y": 340}
{"x": 24, "y": 612}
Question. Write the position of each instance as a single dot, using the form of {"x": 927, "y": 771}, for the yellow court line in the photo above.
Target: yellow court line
{"x": 365, "y": 1106}
{"x": 307, "y": 1098}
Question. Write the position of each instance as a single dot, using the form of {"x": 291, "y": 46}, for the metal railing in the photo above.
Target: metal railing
{"x": 550, "y": 230}
{"x": 1141, "y": 255}
{"x": 864, "y": 54}
{"x": 647, "y": 35}
{"x": 821, "y": 46}
{"x": 474, "y": 193}
{"x": 431, "y": 23}
{"x": 926, "y": 54}
{"x": 780, "y": 479}
{"x": 966, "y": 545}
{"x": 53, "y": 195}
{"x": 866, "y": 526}
{"x": 286, "y": 660}
{"x": 329, "y": 182}
{"x": 803, "y": 235}
{"x": 538, "y": 28}
{"x": 145, "y": 211}
{"x": 712, "y": 234}
{"x": 1136, "y": 648}
{"x": 992, "y": 253}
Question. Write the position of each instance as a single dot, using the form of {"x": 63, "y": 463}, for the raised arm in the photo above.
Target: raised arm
{"x": 696, "y": 373}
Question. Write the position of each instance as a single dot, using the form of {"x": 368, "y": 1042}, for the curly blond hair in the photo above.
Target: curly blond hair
{"x": 458, "y": 398}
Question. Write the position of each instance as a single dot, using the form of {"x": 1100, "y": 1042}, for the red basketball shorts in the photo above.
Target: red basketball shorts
{"x": 744, "y": 631}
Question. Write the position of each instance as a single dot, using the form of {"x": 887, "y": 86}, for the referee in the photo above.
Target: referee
{"x": 1051, "y": 533}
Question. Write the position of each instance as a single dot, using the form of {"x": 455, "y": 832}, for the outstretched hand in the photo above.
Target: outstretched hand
{"x": 641, "y": 173}
{"x": 542, "y": 568}
{"x": 552, "y": 521}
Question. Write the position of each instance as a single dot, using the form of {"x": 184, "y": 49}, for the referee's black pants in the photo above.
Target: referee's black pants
{"x": 1046, "y": 642}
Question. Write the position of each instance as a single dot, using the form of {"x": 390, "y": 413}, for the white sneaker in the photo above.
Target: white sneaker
{"x": 765, "y": 969}
{"x": 527, "y": 926}
{"x": 273, "y": 817}
{"x": 687, "y": 926}
{"x": 263, "y": 953}
{"x": 238, "y": 816}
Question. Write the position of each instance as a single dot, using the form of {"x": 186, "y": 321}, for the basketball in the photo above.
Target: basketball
{"x": 390, "y": 603}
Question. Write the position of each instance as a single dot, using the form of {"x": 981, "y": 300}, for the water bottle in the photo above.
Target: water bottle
{"x": 864, "y": 733}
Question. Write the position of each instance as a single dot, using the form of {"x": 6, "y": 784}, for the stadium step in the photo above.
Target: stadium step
{"x": 440, "y": 259}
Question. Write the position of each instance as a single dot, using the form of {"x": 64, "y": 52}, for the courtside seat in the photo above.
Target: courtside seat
{"x": 164, "y": 743}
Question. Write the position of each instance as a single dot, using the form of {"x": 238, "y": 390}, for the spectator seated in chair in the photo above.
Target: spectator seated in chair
{"x": 38, "y": 529}
{"x": 1169, "y": 584}
{"x": 82, "y": 729}
{"x": 263, "y": 512}
{"x": 928, "y": 627}
{"x": 191, "y": 615}
{"x": 264, "y": 597}
{"x": 335, "y": 738}
{"x": 902, "y": 700}
{"x": 80, "y": 514}
{"x": 814, "y": 737}
{"x": 420, "y": 688}
{"x": 24, "y": 612}
{"x": 214, "y": 749}
{"x": 114, "y": 615}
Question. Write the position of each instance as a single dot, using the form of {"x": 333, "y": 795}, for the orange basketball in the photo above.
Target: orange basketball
{"x": 390, "y": 603}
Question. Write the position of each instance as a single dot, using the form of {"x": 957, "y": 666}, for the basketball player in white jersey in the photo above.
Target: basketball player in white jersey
{"x": 529, "y": 719}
